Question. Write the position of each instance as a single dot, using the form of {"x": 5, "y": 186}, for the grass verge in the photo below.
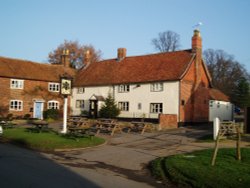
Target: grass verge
{"x": 48, "y": 141}
{"x": 194, "y": 169}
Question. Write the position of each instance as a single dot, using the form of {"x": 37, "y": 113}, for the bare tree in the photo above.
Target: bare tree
{"x": 167, "y": 41}
{"x": 76, "y": 52}
{"x": 225, "y": 71}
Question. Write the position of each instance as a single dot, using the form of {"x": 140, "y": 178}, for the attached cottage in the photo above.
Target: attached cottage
{"x": 30, "y": 88}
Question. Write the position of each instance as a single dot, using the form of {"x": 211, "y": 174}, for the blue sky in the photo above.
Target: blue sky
{"x": 30, "y": 29}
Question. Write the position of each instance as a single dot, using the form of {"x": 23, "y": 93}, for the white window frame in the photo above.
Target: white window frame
{"x": 156, "y": 108}
{"x": 53, "y": 104}
{"x": 80, "y": 104}
{"x": 124, "y": 88}
{"x": 16, "y": 84}
{"x": 123, "y": 106}
{"x": 80, "y": 90}
{"x": 156, "y": 87}
{"x": 53, "y": 87}
{"x": 16, "y": 107}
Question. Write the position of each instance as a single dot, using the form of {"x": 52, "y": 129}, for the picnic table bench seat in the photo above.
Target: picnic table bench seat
{"x": 139, "y": 127}
{"x": 39, "y": 126}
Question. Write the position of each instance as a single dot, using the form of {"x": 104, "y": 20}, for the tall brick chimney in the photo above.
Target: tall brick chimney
{"x": 197, "y": 50}
{"x": 121, "y": 53}
{"x": 196, "y": 42}
{"x": 65, "y": 58}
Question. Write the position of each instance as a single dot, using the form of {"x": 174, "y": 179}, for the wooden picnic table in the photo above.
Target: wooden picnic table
{"x": 107, "y": 125}
{"x": 138, "y": 126}
{"x": 39, "y": 126}
{"x": 80, "y": 132}
{"x": 7, "y": 124}
{"x": 77, "y": 122}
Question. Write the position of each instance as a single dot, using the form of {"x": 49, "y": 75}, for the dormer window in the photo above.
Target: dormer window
{"x": 123, "y": 88}
{"x": 54, "y": 87}
{"x": 16, "y": 84}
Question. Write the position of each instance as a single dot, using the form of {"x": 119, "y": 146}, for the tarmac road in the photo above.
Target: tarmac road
{"x": 22, "y": 168}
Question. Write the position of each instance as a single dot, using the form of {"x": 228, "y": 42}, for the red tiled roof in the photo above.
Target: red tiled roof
{"x": 137, "y": 69}
{"x": 22, "y": 69}
{"x": 216, "y": 94}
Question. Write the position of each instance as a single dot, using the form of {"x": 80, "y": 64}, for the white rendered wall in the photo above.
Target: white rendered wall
{"x": 169, "y": 97}
{"x": 142, "y": 94}
{"x": 88, "y": 93}
{"x": 221, "y": 109}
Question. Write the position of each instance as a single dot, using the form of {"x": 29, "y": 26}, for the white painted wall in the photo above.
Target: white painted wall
{"x": 221, "y": 109}
{"x": 88, "y": 93}
{"x": 142, "y": 94}
{"x": 169, "y": 97}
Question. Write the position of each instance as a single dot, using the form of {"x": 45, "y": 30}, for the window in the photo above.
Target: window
{"x": 156, "y": 87}
{"x": 123, "y": 88}
{"x": 155, "y": 107}
{"x": 79, "y": 103}
{"x": 54, "y": 87}
{"x": 123, "y": 106}
{"x": 139, "y": 106}
{"x": 80, "y": 90}
{"x": 53, "y": 105}
{"x": 16, "y": 84}
{"x": 16, "y": 105}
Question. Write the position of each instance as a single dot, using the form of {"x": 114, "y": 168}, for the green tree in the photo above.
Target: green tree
{"x": 109, "y": 109}
{"x": 241, "y": 94}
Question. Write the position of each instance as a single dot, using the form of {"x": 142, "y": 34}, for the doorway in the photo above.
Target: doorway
{"x": 93, "y": 108}
{"x": 38, "y": 110}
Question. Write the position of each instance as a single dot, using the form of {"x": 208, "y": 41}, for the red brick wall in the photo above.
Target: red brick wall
{"x": 194, "y": 95}
{"x": 33, "y": 90}
{"x": 167, "y": 121}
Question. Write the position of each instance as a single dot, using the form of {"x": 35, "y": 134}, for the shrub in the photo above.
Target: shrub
{"x": 26, "y": 116}
{"x": 51, "y": 114}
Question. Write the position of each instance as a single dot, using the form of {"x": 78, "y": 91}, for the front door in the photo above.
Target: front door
{"x": 38, "y": 110}
{"x": 93, "y": 108}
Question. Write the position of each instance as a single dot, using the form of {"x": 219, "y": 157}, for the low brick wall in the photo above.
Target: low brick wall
{"x": 167, "y": 121}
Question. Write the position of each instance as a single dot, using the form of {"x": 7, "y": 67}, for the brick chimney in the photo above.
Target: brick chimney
{"x": 121, "y": 53}
{"x": 86, "y": 58}
{"x": 196, "y": 42}
{"x": 197, "y": 50}
{"x": 65, "y": 58}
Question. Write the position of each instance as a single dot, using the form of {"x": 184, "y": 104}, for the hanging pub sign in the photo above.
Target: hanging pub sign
{"x": 66, "y": 83}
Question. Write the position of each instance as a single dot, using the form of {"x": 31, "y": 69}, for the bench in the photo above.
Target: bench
{"x": 39, "y": 126}
{"x": 107, "y": 125}
{"x": 7, "y": 124}
{"x": 138, "y": 127}
{"x": 79, "y": 132}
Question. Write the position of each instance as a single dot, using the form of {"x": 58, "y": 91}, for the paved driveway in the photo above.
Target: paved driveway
{"x": 122, "y": 162}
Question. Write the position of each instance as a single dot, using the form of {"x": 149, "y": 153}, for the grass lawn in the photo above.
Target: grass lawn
{"x": 194, "y": 169}
{"x": 47, "y": 141}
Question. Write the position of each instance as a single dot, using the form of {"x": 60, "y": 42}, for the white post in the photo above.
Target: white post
{"x": 65, "y": 107}
{"x": 216, "y": 127}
